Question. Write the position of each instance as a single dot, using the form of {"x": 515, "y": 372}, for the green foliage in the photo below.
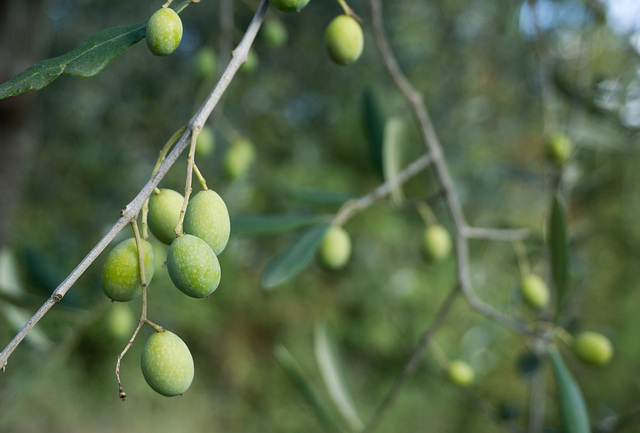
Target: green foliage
{"x": 85, "y": 61}
{"x": 573, "y": 410}
{"x": 290, "y": 263}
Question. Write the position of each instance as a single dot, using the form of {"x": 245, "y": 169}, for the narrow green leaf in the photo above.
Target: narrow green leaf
{"x": 333, "y": 375}
{"x": 295, "y": 259}
{"x": 253, "y": 225}
{"x": 85, "y": 61}
{"x": 391, "y": 155}
{"x": 559, "y": 249}
{"x": 573, "y": 410}
{"x": 304, "y": 385}
{"x": 374, "y": 121}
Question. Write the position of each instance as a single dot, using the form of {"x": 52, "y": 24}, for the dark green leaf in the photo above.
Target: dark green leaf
{"x": 333, "y": 375}
{"x": 559, "y": 249}
{"x": 304, "y": 385}
{"x": 374, "y": 121}
{"x": 271, "y": 224}
{"x": 85, "y": 61}
{"x": 293, "y": 261}
{"x": 573, "y": 410}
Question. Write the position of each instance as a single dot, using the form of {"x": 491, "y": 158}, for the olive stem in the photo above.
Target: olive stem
{"x": 131, "y": 210}
{"x": 143, "y": 286}
{"x": 348, "y": 11}
{"x": 352, "y": 207}
{"x": 200, "y": 177}
{"x": 187, "y": 188}
{"x": 161, "y": 157}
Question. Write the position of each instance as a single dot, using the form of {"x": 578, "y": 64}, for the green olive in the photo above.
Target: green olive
{"x": 207, "y": 217}
{"x": 164, "y": 32}
{"x": 289, "y": 5}
{"x": 460, "y": 373}
{"x": 436, "y": 243}
{"x": 121, "y": 270}
{"x": 239, "y": 158}
{"x": 335, "y": 249}
{"x": 164, "y": 213}
{"x": 274, "y": 33}
{"x": 559, "y": 148}
{"x": 193, "y": 266}
{"x": 344, "y": 40}
{"x": 592, "y": 348}
{"x": 205, "y": 142}
{"x": 206, "y": 64}
{"x": 534, "y": 291}
{"x": 167, "y": 364}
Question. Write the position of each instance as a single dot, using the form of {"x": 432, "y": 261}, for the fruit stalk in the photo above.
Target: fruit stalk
{"x": 131, "y": 210}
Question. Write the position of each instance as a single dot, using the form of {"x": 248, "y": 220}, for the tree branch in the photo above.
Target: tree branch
{"x": 131, "y": 210}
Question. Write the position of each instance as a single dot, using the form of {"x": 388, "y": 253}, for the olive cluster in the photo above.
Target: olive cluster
{"x": 193, "y": 266}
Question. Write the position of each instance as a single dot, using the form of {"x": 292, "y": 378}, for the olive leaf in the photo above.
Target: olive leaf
{"x": 328, "y": 359}
{"x": 254, "y": 225}
{"x": 85, "y": 61}
{"x": 559, "y": 249}
{"x": 295, "y": 259}
{"x": 305, "y": 386}
{"x": 573, "y": 410}
{"x": 374, "y": 125}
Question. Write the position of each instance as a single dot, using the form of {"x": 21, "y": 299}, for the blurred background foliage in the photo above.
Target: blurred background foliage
{"x": 477, "y": 63}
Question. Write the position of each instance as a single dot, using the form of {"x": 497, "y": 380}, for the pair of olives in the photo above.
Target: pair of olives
{"x": 192, "y": 260}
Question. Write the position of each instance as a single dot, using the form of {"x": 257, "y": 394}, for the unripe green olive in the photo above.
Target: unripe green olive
{"x": 559, "y": 148}
{"x": 274, "y": 33}
{"x": 121, "y": 270}
{"x": 120, "y": 320}
{"x": 205, "y": 142}
{"x": 164, "y": 213}
{"x": 239, "y": 158}
{"x": 436, "y": 243}
{"x": 167, "y": 364}
{"x": 534, "y": 291}
{"x": 193, "y": 266}
{"x": 206, "y": 64}
{"x": 335, "y": 249}
{"x": 592, "y": 348}
{"x": 289, "y": 5}
{"x": 460, "y": 373}
{"x": 164, "y": 32}
{"x": 344, "y": 40}
{"x": 207, "y": 217}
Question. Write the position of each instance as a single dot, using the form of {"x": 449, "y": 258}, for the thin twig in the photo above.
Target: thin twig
{"x": 133, "y": 208}
{"x": 353, "y": 206}
{"x": 495, "y": 234}
{"x": 413, "y": 362}
{"x": 441, "y": 168}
